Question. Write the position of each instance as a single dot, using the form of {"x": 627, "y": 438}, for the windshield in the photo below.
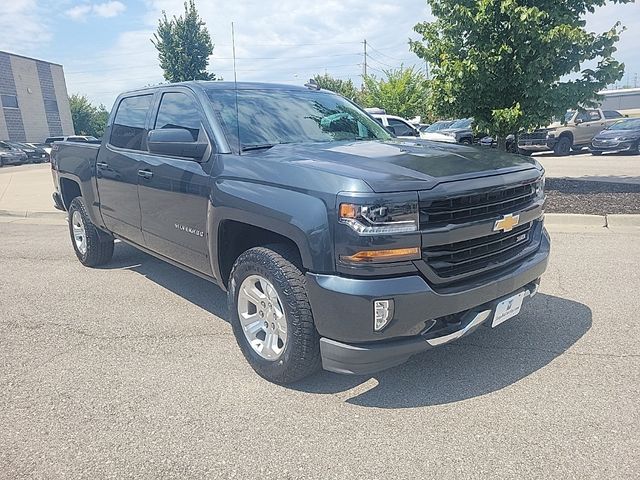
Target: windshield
{"x": 271, "y": 117}
{"x": 463, "y": 123}
{"x": 568, "y": 116}
{"x": 438, "y": 126}
{"x": 632, "y": 124}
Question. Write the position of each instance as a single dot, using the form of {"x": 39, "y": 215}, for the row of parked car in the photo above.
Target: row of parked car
{"x": 601, "y": 131}
{"x": 18, "y": 153}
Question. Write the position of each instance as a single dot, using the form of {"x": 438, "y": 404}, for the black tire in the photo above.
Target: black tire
{"x": 596, "y": 153}
{"x": 635, "y": 150}
{"x": 526, "y": 153}
{"x": 562, "y": 147}
{"x": 466, "y": 141}
{"x": 301, "y": 355}
{"x": 99, "y": 244}
{"x": 1, "y": 162}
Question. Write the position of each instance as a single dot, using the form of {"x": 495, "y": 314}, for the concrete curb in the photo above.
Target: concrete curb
{"x": 570, "y": 223}
{"x": 27, "y": 214}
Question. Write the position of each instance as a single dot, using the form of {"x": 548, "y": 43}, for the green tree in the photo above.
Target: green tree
{"x": 87, "y": 118}
{"x": 514, "y": 64}
{"x": 342, "y": 87}
{"x": 184, "y": 46}
{"x": 402, "y": 92}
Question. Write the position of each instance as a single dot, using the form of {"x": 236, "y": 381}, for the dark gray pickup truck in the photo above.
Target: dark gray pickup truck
{"x": 339, "y": 245}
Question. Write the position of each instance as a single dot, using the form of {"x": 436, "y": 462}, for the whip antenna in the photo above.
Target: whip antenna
{"x": 235, "y": 85}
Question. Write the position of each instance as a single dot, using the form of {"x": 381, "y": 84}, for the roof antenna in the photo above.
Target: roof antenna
{"x": 235, "y": 86}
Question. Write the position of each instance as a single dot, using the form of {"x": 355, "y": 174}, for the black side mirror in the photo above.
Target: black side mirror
{"x": 175, "y": 142}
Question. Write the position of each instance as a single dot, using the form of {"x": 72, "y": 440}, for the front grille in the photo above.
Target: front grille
{"x": 536, "y": 135}
{"x": 476, "y": 206}
{"x": 478, "y": 254}
{"x": 605, "y": 143}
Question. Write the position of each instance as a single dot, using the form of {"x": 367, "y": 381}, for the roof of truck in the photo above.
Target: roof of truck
{"x": 215, "y": 85}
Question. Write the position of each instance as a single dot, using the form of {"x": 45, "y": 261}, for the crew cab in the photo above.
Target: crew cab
{"x": 574, "y": 132}
{"x": 338, "y": 245}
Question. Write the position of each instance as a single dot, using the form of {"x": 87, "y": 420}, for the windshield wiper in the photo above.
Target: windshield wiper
{"x": 263, "y": 146}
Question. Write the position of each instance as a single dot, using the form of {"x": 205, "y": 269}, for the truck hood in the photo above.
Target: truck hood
{"x": 396, "y": 165}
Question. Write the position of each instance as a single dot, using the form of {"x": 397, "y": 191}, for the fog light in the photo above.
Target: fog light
{"x": 382, "y": 314}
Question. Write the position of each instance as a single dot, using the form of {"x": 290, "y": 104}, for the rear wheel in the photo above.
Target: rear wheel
{"x": 271, "y": 315}
{"x": 93, "y": 247}
{"x": 563, "y": 147}
{"x": 466, "y": 141}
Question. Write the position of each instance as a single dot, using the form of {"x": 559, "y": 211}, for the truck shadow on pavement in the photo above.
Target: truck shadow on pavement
{"x": 486, "y": 361}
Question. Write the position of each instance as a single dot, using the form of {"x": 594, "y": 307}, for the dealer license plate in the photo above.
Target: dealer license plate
{"x": 508, "y": 308}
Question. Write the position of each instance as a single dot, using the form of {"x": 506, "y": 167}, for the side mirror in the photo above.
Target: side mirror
{"x": 175, "y": 142}
{"x": 579, "y": 121}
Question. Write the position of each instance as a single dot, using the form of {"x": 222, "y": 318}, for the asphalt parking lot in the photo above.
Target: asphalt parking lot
{"x": 132, "y": 371}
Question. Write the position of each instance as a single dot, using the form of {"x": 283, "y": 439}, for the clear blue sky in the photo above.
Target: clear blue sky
{"x": 104, "y": 46}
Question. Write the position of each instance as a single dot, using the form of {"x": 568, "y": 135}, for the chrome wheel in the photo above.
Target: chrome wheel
{"x": 79, "y": 234}
{"x": 262, "y": 317}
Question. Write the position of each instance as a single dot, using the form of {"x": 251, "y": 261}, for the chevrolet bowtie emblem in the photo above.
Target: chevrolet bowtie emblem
{"x": 506, "y": 223}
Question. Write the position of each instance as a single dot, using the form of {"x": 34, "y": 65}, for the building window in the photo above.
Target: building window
{"x": 51, "y": 106}
{"x": 9, "y": 101}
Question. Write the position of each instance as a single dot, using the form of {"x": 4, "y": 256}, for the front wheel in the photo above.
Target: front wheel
{"x": 563, "y": 147}
{"x": 93, "y": 247}
{"x": 466, "y": 141}
{"x": 271, "y": 315}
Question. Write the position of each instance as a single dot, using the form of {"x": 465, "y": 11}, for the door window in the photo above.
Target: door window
{"x": 179, "y": 110}
{"x": 129, "y": 124}
{"x": 400, "y": 128}
{"x": 589, "y": 116}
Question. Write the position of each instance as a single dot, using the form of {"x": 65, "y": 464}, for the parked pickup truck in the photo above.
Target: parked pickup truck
{"x": 338, "y": 245}
{"x": 575, "y": 132}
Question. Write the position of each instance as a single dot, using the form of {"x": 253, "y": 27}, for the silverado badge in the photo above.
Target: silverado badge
{"x": 506, "y": 223}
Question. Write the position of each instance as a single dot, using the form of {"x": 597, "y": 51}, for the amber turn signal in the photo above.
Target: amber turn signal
{"x": 390, "y": 255}
{"x": 347, "y": 210}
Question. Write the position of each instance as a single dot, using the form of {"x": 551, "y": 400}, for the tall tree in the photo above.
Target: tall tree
{"x": 514, "y": 64}
{"x": 401, "y": 92}
{"x": 184, "y": 46}
{"x": 87, "y": 118}
{"x": 342, "y": 87}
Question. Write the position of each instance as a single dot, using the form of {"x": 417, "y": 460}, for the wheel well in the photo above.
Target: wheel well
{"x": 69, "y": 190}
{"x": 569, "y": 135}
{"x": 234, "y": 238}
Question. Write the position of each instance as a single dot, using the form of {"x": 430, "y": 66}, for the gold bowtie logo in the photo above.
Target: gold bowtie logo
{"x": 506, "y": 223}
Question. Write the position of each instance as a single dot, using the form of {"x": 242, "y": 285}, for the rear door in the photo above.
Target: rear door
{"x": 174, "y": 192}
{"x": 117, "y": 167}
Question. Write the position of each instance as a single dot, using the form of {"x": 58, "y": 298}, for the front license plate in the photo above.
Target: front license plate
{"x": 508, "y": 308}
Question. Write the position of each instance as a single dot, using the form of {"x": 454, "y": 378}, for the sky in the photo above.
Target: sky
{"x": 105, "y": 46}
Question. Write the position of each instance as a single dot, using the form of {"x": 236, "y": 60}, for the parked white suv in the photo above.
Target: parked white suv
{"x": 398, "y": 125}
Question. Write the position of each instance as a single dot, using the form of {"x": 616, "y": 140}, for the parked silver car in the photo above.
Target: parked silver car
{"x": 11, "y": 155}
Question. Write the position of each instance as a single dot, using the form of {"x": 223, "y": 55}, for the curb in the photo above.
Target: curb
{"x": 573, "y": 222}
{"x": 27, "y": 214}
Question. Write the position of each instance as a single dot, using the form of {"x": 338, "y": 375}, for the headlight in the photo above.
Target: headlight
{"x": 540, "y": 187}
{"x": 380, "y": 219}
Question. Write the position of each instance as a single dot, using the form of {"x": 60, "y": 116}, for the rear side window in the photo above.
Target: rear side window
{"x": 128, "y": 127}
{"x": 179, "y": 110}
{"x": 612, "y": 114}
{"x": 401, "y": 128}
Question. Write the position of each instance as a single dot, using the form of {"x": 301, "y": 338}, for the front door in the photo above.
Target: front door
{"x": 117, "y": 168}
{"x": 174, "y": 192}
{"x": 591, "y": 125}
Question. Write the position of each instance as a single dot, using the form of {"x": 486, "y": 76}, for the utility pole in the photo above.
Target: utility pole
{"x": 365, "y": 58}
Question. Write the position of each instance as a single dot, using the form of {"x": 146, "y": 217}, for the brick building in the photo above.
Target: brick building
{"x": 33, "y": 98}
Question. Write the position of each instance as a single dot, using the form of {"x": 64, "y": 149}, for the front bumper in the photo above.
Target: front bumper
{"x": 537, "y": 145}
{"x": 343, "y": 310}
{"x": 613, "y": 147}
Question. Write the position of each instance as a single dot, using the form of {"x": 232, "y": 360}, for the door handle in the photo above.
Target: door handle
{"x": 145, "y": 173}
{"x": 102, "y": 165}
